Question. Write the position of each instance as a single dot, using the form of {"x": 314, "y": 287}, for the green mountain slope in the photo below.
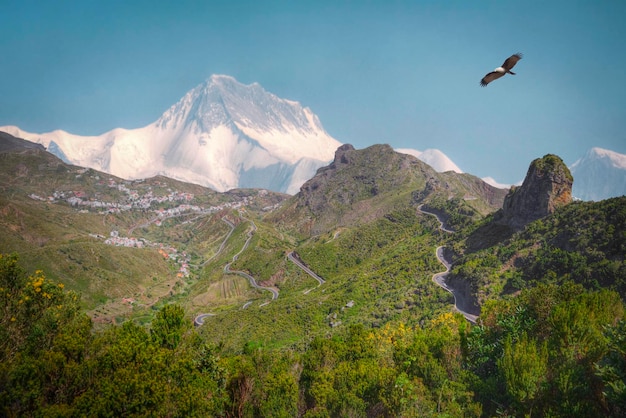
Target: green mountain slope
{"x": 123, "y": 245}
{"x": 360, "y": 186}
{"x": 357, "y": 225}
{"x": 584, "y": 242}
{"x": 370, "y": 335}
{"x": 129, "y": 247}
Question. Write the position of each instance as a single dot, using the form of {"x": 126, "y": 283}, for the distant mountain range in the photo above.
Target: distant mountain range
{"x": 225, "y": 135}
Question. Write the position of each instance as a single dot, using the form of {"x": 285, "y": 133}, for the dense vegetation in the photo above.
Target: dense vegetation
{"x": 554, "y": 350}
{"x": 377, "y": 273}
{"x": 584, "y": 242}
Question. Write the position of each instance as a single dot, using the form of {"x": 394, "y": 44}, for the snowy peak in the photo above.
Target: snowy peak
{"x": 290, "y": 130}
{"x": 251, "y": 107}
{"x": 599, "y": 174}
{"x": 222, "y": 100}
{"x": 434, "y": 158}
{"x": 608, "y": 157}
{"x": 202, "y": 107}
{"x": 222, "y": 134}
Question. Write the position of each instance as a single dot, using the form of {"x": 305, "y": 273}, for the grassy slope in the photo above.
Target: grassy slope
{"x": 378, "y": 273}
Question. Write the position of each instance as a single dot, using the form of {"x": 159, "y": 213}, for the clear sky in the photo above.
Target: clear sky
{"x": 404, "y": 73}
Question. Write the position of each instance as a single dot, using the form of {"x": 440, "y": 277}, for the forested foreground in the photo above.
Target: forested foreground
{"x": 550, "y": 351}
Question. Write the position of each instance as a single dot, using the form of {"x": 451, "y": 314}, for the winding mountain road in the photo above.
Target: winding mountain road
{"x": 440, "y": 278}
{"x": 219, "y": 250}
{"x": 199, "y": 320}
{"x": 251, "y": 279}
{"x": 293, "y": 257}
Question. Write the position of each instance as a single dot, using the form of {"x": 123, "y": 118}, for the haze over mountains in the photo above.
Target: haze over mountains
{"x": 225, "y": 135}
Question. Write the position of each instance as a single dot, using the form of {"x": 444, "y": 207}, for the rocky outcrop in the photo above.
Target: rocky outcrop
{"x": 547, "y": 186}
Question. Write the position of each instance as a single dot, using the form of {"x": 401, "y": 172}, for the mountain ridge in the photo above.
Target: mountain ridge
{"x": 361, "y": 185}
{"x": 357, "y": 224}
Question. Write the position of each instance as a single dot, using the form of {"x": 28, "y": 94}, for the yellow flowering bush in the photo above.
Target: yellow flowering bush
{"x": 34, "y": 307}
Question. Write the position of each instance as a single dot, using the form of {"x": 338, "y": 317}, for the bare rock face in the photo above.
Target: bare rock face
{"x": 547, "y": 186}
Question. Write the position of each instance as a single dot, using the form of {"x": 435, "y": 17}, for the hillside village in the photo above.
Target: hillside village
{"x": 163, "y": 206}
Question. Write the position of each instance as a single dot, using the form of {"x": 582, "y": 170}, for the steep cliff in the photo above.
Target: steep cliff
{"x": 547, "y": 186}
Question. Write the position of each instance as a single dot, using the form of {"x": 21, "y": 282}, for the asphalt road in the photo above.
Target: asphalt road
{"x": 440, "y": 278}
{"x": 296, "y": 260}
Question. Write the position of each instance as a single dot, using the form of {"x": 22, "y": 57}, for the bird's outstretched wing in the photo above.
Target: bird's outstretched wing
{"x": 511, "y": 61}
{"x": 494, "y": 75}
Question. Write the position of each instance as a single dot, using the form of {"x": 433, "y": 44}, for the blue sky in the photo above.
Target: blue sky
{"x": 404, "y": 73}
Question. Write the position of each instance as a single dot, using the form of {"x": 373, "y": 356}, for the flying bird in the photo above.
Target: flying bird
{"x": 500, "y": 71}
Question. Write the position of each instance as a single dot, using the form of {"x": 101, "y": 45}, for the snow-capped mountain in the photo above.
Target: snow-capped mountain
{"x": 221, "y": 134}
{"x": 442, "y": 163}
{"x": 434, "y": 158}
{"x": 599, "y": 174}
{"x": 493, "y": 182}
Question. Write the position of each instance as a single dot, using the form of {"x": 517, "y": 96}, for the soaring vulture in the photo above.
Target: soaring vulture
{"x": 500, "y": 71}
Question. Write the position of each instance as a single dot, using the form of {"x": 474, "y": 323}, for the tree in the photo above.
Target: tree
{"x": 524, "y": 366}
{"x": 169, "y": 326}
{"x": 42, "y": 338}
{"x": 612, "y": 369}
{"x": 52, "y": 364}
